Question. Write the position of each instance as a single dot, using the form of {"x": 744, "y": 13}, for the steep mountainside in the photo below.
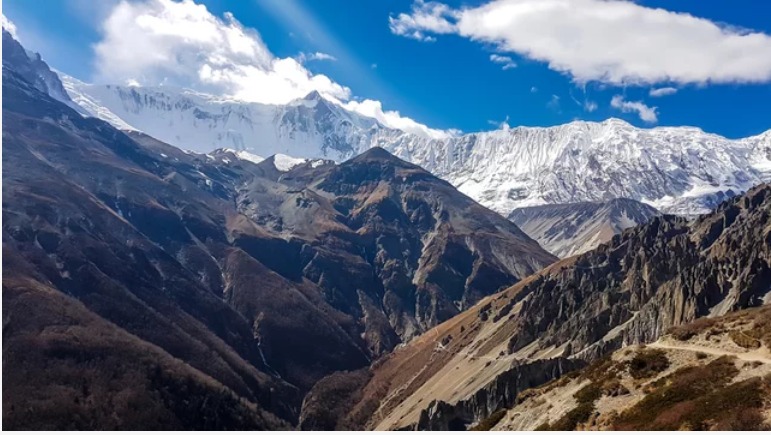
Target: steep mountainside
{"x": 570, "y": 229}
{"x": 667, "y": 272}
{"x": 224, "y": 282}
{"x": 680, "y": 170}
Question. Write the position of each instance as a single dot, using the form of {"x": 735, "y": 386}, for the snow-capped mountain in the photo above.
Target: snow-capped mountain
{"x": 681, "y": 170}
{"x": 311, "y": 127}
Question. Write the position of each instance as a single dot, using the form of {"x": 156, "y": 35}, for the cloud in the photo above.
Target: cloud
{"x": 501, "y": 125}
{"x": 590, "y": 106}
{"x": 662, "y": 92}
{"x": 554, "y": 103}
{"x": 392, "y": 118}
{"x": 309, "y": 57}
{"x": 425, "y": 17}
{"x": 506, "y": 61}
{"x": 180, "y": 43}
{"x": 646, "y": 113}
{"x": 533, "y": 90}
{"x": 9, "y": 27}
{"x": 609, "y": 41}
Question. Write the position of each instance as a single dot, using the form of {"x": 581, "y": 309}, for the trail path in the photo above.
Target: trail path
{"x": 761, "y": 355}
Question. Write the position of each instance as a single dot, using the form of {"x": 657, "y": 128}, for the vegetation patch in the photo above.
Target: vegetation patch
{"x": 698, "y": 398}
{"x": 648, "y": 363}
{"x": 690, "y": 330}
{"x": 573, "y": 418}
{"x": 744, "y": 340}
{"x": 586, "y": 397}
{"x": 491, "y": 420}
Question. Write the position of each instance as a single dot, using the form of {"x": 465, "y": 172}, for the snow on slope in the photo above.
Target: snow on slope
{"x": 570, "y": 229}
{"x": 675, "y": 169}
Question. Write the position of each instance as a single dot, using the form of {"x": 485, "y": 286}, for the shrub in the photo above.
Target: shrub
{"x": 491, "y": 420}
{"x": 588, "y": 394}
{"x": 690, "y": 397}
{"x": 744, "y": 340}
{"x": 648, "y": 363}
{"x": 689, "y": 330}
{"x": 573, "y": 418}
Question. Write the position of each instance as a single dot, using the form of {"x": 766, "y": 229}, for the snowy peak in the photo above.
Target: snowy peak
{"x": 31, "y": 67}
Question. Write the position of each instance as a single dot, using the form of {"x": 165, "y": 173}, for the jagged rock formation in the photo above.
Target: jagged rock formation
{"x": 569, "y": 229}
{"x": 667, "y": 272}
{"x": 224, "y": 281}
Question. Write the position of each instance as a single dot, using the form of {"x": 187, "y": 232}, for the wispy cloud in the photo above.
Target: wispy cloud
{"x": 662, "y": 92}
{"x": 554, "y": 103}
{"x": 309, "y": 57}
{"x": 645, "y": 112}
{"x": 506, "y": 62}
{"x": 616, "y": 42}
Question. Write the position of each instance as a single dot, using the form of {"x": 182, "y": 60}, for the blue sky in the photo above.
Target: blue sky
{"x": 448, "y": 80}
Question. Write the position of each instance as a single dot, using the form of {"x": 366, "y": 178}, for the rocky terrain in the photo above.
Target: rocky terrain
{"x": 665, "y": 273}
{"x": 150, "y": 287}
{"x": 569, "y": 229}
{"x": 712, "y": 374}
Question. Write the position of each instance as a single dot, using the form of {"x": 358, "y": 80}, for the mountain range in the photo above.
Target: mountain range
{"x": 680, "y": 170}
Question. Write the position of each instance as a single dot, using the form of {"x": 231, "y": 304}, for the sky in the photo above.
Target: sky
{"x": 435, "y": 68}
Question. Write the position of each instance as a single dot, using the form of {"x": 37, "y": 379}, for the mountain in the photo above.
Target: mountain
{"x": 667, "y": 272}
{"x": 150, "y": 287}
{"x": 570, "y": 229}
{"x": 311, "y": 127}
{"x": 34, "y": 70}
{"x": 680, "y": 170}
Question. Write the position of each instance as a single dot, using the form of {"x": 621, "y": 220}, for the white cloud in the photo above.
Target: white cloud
{"x": 646, "y": 113}
{"x": 533, "y": 90}
{"x": 181, "y": 43}
{"x": 609, "y": 41}
{"x": 506, "y": 61}
{"x": 392, "y": 118}
{"x": 10, "y": 27}
{"x": 590, "y": 106}
{"x": 662, "y": 92}
{"x": 309, "y": 57}
{"x": 425, "y": 17}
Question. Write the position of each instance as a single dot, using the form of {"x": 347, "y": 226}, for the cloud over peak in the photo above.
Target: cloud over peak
{"x": 646, "y": 113}
{"x": 181, "y": 43}
{"x": 611, "y": 41}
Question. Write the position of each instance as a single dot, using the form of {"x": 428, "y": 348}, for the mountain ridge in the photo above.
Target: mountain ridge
{"x": 681, "y": 170}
